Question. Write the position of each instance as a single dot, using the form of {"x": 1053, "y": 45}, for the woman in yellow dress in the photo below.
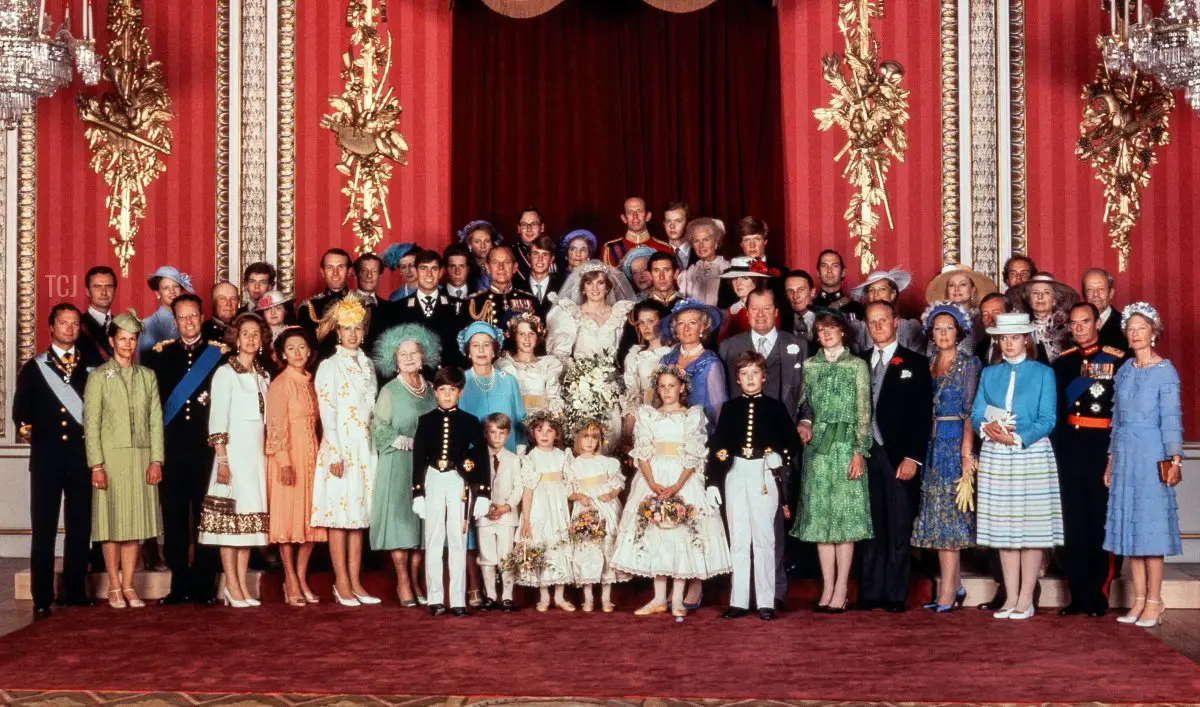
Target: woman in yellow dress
{"x": 123, "y": 432}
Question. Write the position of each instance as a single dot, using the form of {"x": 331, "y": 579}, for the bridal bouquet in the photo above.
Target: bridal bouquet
{"x": 666, "y": 513}
{"x": 592, "y": 388}
{"x": 587, "y": 527}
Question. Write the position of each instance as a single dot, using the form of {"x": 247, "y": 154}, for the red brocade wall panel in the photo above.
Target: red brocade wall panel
{"x": 1066, "y": 203}
{"x": 815, "y": 191}
{"x": 419, "y": 201}
{"x": 73, "y": 232}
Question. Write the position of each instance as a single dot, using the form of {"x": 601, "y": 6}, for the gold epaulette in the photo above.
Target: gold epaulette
{"x": 312, "y": 311}
{"x": 1114, "y": 351}
{"x": 1073, "y": 349}
{"x": 220, "y": 345}
{"x": 159, "y": 346}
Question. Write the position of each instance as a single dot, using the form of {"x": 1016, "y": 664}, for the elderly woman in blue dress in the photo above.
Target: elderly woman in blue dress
{"x": 489, "y": 389}
{"x": 402, "y": 352}
{"x": 1143, "y": 515}
{"x": 1019, "y": 511}
{"x": 941, "y": 525}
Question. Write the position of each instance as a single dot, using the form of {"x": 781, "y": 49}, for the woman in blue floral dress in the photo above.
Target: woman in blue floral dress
{"x": 941, "y": 525}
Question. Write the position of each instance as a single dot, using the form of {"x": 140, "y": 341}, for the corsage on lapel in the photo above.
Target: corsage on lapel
{"x": 793, "y": 349}
{"x": 896, "y": 361}
{"x": 905, "y": 374}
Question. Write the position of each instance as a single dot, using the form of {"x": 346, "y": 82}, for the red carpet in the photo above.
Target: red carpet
{"x": 965, "y": 656}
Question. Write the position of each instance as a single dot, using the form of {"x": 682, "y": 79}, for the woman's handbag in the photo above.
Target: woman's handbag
{"x": 217, "y": 513}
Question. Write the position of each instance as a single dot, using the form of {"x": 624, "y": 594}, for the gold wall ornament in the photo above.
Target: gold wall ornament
{"x": 872, "y": 108}
{"x": 127, "y": 127}
{"x": 364, "y": 120}
{"x": 1124, "y": 119}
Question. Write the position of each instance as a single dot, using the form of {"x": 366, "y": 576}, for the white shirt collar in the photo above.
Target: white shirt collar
{"x": 545, "y": 283}
{"x": 888, "y": 352}
{"x": 61, "y": 352}
{"x": 368, "y": 296}
{"x": 1105, "y": 315}
{"x": 770, "y": 337}
{"x": 459, "y": 292}
{"x": 99, "y": 316}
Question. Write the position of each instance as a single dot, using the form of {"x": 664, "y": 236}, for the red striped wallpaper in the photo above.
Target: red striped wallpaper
{"x": 816, "y": 193}
{"x": 178, "y": 229}
{"x": 1066, "y": 234}
{"x": 419, "y": 201}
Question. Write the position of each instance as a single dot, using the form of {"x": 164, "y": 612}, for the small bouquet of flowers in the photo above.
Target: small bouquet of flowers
{"x": 527, "y": 559}
{"x": 587, "y": 527}
{"x": 666, "y": 513}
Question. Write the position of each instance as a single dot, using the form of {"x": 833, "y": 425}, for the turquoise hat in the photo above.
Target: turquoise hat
{"x": 474, "y": 328}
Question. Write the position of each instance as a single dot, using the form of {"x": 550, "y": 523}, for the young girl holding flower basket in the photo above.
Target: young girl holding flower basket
{"x": 594, "y": 482}
{"x": 544, "y": 512}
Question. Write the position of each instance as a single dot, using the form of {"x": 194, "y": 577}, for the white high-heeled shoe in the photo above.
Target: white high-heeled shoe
{"x": 230, "y": 601}
{"x": 1133, "y": 618}
{"x": 1003, "y": 614}
{"x": 367, "y": 599}
{"x": 345, "y": 602}
{"x": 1151, "y": 623}
{"x": 1016, "y": 615}
{"x": 252, "y": 601}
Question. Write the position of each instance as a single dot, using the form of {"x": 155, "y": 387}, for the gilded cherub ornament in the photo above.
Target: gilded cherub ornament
{"x": 871, "y": 106}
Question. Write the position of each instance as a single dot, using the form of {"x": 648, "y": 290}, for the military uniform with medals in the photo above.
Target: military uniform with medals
{"x": 496, "y": 308}
{"x": 58, "y": 470}
{"x": 1085, "y": 380}
{"x": 840, "y": 301}
{"x": 188, "y": 462}
{"x": 450, "y": 472}
{"x": 753, "y": 441}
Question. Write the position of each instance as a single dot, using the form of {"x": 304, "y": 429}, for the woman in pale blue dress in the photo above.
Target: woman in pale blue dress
{"x": 1143, "y": 515}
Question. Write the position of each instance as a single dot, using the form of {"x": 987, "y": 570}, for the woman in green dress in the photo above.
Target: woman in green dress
{"x": 834, "y": 511}
{"x": 402, "y": 352}
{"x": 123, "y": 432}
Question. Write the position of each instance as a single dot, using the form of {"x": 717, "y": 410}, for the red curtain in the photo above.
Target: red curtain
{"x": 597, "y": 100}
{"x": 1066, "y": 203}
{"x": 419, "y": 200}
{"x": 817, "y": 194}
{"x": 178, "y": 229}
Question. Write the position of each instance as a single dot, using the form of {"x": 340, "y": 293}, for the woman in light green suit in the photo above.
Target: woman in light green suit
{"x": 123, "y": 430}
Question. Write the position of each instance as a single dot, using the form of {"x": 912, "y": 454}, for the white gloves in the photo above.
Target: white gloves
{"x": 481, "y": 508}
{"x": 774, "y": 461}
{"x": 419, "y": 506}
{"x": 714, "y": 497}
{"x": 403, "y": 443}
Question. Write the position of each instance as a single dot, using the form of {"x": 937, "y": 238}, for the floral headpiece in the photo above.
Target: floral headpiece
{"x": 476, "y": 225}
{"x": 478, "y": 327}
{"x": 1142, "y": 308}
{"x": 946, "y": 307}
{"x": 537, "y": 417}
{"x": 679, "y": 373}
{"x": 526, "y": 317}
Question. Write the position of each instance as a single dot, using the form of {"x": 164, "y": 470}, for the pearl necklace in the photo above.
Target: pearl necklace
{"x": 491, "y": 382}
{"x": 417, "y": 392}
{"x": 691, "y": 353}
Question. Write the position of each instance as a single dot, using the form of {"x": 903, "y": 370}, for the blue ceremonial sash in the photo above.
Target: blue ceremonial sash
{"x": 1076, "y": 387}
{"x": 190, "y": 382}
{"x": 61, "y": 389}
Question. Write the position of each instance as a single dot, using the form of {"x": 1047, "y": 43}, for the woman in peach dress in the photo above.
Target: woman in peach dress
{"x": 292, "y": 461}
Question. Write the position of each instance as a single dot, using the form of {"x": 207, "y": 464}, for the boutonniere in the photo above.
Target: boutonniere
{"x": 793, "y": 349}
{"x": 896, "y": 361}
{"x": 203, "y": 398}
{"x": 905, "y": 374}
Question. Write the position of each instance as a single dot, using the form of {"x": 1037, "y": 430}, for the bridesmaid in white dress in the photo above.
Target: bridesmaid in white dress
{"x": 236, "y": 430}
{"x": 345, "y": 477}
{"x": 642, "y": 360}
{"x": 595, "y": 482}
{"x": 544, "y": 512}
{"x": 538, "y": 377}
{"x": 669, "y": 448}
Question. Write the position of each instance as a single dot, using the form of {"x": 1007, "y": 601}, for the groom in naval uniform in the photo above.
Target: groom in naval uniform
{"x": 784, "y": 354}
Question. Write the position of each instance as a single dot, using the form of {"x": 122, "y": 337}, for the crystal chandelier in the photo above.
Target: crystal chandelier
{"x": 1166, "y": 47}
{"x": 35, "y": 63}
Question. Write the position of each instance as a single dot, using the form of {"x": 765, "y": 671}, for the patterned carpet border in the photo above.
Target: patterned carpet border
{"x": 181, "y": 699}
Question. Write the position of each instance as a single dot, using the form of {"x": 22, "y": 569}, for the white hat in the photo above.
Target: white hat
{"x": 271, "y": 299}
{"x": 743, "y": 266}
{"x": 1012, "y": 323}
{"x": 900, "y": 278}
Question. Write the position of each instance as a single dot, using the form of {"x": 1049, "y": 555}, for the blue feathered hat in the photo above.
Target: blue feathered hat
{"x": 474, "y": 328}
{"x": 389, "y": 342}
{"x": 583, "y": 233}
{"x": 666, "y": 328}
{"x": 642, "y": 251}
{"x": 392, "y": 254}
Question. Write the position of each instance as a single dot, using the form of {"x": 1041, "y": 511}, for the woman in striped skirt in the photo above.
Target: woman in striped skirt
{"x": 1018, "y": 511}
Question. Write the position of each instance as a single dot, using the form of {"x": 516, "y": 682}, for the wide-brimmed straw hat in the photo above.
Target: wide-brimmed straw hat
{"x": 936, "y": 290}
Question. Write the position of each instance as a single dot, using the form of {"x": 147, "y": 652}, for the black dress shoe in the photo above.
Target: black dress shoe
{"x": 1097, "y": 611}
{"x": 996, "y": 604}
{"x": 489, "y": 604}
{"x": 173, "y": 598}
{"x": 734, "y": 612}
{"x": 780, "y": 605}
{"x": 41, "y": 612}
{"x": 766, "y": 614}
{"x": 1070, "y": 610}
{"x": 459, "y": 611}
{"x": 206, "y": 601}
{"x": 80, "y": 601}
{"x": 867, "y": 605}
{"x": 508, "y": 607}
{"x": 437, "y": 609}
{"x": 895, "y": 607}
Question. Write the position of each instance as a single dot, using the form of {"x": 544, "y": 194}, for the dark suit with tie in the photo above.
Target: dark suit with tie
{"x": 785, "y": 379}
{"x": 1111, "y": 333}
{"x": 93, "y": 343}
{"x": 553, "y": 283}
{"x": 902, "y": 390}
{"x": 445, "y": 319}
{"x": 58, "y": 470}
